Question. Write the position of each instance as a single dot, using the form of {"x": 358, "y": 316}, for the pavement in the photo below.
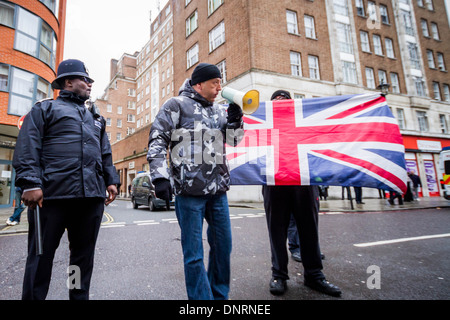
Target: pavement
{"x": 329, "y": 206}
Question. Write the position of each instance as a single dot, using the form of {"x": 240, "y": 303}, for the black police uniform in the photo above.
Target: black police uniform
{"x": 63, "y": 149}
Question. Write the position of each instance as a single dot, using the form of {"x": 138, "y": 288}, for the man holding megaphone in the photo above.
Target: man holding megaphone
{"x": 194, "y": 130}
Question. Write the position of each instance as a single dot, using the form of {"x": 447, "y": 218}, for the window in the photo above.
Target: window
{"x": 119, "y": 123}
{"x": 213, "y": 5}
{"x": 420, "y": 3}
{"x": 395, "y": 85}
{"x": 429, "y": 4}
{"x": 384, "y": 14}
{"x": 310, "y": 30}
{"x": 118, "y": 136}
{"x": 349, "y": 71}
{"x": 191, "y": 23}
{"x": 420, "y": 88}
{"x": 192, "y": 56}
{"x": 430, "y": 58}
{"x": 131, "y": 118}
{"x": 108, "y": 122}
{"x": 313, "y": 64}
{"x": 223, "y": 70}
{"x": 446, "y": 93}
{"x": 372, "y": 11}
{"x": 6, "y": 14}
{"x": 364, "y": 36}
{"x": 27, "y": 32}
{"x": 216, "y": 36}
{"x": 435, "y": 31}
{"x": 377, "y": 45}
{"x": 108, "y": 108}
{"x": 4, "y": 75}
{"x": 35, "y": 37}
{"x": 26, "y": 88}
{"x": 340, "y": 7}
{"x": 407, "y": 22}
{"x": 291, "y": 18}
{"x": 119, "y": 110}
{"x": 436, "y": 91}
{"x": 370, "y": 78}
{"x": 382, "y": 78}
{"x": 443, "y": 122}
{"x": 296, "y": 64}
{"x": 424, "y": 25}
{"x": 440, "y": 59}
{"x": 413, "y": 55}
{"x": 389, "y": 48}
{"x": 422, "y": 119}
{"x": 401, "y": 118}
{"x": 344, "y": 37}
{"x": 360, "y": 8}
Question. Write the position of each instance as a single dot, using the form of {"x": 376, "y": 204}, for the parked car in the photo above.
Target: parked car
{"x": 143, "y": 193}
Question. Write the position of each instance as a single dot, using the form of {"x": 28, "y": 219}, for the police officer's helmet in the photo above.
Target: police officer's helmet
{"x": 70, "y": 68}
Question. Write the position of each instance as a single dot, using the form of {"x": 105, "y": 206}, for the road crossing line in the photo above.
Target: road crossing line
{"x": 377, "y": 243}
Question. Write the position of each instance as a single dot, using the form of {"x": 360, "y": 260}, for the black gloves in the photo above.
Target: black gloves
{"x": 163, "y": 190}
{"x": 234, "y": 113}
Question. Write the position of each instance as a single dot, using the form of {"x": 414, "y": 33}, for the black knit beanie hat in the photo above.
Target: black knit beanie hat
{"x": 204, "y": 72}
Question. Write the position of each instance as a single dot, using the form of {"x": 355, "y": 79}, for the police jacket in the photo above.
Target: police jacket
{"x": 195, "y": 132}
{"x": 63, "y": 149}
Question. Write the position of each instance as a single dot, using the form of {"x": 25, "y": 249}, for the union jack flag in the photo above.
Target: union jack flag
{"x": 351, "y": 140}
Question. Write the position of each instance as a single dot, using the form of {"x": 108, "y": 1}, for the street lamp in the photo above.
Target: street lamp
{"x": 384, "y": 88}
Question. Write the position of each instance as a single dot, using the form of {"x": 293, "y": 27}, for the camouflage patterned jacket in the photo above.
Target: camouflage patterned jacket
{"x": 194, "y": 131}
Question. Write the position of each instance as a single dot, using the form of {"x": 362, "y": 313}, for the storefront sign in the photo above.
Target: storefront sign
{"x": 428, "y": 145}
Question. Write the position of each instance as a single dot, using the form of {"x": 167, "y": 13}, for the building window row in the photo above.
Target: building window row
{"x": 292, "y": 24}
{"x": 440, "y": 60}
{"x": 296, "y": 65}
{"x": 422, "y": 121}
{"x": 25, "y": 88}
{"x": 374, "y": 12}
{"x": 437, "y": 92}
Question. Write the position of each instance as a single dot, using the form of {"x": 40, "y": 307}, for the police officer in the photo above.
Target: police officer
{"x": 64, "y": 165}
{"x": 280, "y": 202}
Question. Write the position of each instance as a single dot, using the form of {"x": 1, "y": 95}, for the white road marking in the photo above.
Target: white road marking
{"x": 377, "y": 243}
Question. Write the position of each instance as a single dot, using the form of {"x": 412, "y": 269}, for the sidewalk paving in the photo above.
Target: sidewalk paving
{"x": 329, "y": 206}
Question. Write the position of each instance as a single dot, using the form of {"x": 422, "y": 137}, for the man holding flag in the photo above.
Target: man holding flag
{"x": 303, "y": 203}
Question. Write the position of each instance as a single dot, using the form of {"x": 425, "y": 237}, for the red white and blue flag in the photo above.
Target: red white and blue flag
{"x": 351, "y": 140}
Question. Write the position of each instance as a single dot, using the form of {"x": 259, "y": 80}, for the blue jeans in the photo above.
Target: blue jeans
{"x": 190, "y": 211}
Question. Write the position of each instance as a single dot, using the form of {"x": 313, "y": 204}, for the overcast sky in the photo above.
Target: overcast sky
{"x": 100, "y": 30}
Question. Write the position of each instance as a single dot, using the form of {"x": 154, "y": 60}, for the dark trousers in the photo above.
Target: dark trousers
{"x": 302, "y": 202}
{"x": 82, "y": 219}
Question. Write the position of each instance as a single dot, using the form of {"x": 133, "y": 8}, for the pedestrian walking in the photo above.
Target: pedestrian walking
{"x": 280, "y": 202}
{"x": 416, "y": 183}
{"x": 18, "y": 208}
{"x": 188, "y": 122}
{"x": 64, "y": 165}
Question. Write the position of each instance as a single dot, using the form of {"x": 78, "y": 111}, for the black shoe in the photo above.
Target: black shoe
{"x": 322, "y": 285}
{"x": 296, "y": 256}
{"x": 277, "y": 286}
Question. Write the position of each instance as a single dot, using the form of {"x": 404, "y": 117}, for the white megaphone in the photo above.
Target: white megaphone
{"x": 248, "y": 101}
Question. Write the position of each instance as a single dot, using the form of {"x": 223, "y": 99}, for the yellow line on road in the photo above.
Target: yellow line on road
{"x": 109, "y": 218}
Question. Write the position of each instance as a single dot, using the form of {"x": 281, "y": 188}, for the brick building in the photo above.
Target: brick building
{"x": 326, "y": 48}
{"x": 31, "y": 47}
{"x": 140, "y": 84}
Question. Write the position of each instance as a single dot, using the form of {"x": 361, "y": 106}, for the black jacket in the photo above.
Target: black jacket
{"x": 64, "y": 150}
